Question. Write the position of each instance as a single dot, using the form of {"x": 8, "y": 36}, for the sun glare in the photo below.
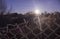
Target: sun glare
{"x": 37, "y": 11}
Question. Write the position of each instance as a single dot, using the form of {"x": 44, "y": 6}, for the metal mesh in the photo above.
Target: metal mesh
{"x": 29, "y": 30}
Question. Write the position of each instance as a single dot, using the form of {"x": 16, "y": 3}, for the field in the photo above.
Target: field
{"x": 28, "y": 26}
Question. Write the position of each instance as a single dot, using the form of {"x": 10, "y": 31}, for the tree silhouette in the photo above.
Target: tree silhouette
{"x": 2, "y": 6}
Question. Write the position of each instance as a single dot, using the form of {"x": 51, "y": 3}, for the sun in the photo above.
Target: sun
{"x": 37, "y": 11}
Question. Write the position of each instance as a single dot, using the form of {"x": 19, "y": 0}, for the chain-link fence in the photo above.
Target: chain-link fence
{"x": 29, "y": 30}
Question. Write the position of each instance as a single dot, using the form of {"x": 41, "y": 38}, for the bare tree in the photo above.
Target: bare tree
{"x": 2, "y": 6}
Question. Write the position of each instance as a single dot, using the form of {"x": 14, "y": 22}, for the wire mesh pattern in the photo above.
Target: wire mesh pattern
{"x": 29, "y": 30}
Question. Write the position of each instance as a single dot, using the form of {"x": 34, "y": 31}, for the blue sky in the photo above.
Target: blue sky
{"x": 23, "y": 6}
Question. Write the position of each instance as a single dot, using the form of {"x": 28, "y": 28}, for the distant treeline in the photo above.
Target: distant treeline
{"x": 19, "y": 18}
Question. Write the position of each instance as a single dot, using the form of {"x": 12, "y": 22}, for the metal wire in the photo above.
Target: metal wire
{"x": 29, "y": 30}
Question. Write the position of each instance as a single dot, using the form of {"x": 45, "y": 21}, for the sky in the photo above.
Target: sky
{"x": 23, "y": 6}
